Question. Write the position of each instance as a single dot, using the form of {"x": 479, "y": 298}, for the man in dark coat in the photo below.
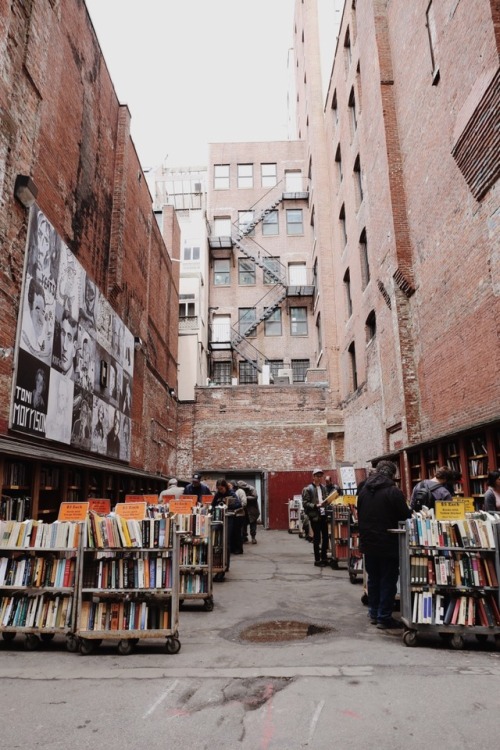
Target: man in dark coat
{"x": 381, "y": 505}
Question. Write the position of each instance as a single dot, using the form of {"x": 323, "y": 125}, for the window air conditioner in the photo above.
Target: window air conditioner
{"x": 285, "y": 373}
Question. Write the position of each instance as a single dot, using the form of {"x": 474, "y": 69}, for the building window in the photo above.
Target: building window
{"x": 293, "y": 181}
{"x": 187, "y": 310}
{"x": 352, "y": 112}
{"x": 347, "y": 287}
{"x": 432, "y": 33}
{"x": 222, "y": 226}
{"x": 274, "y": 366}
{"x": 338, "y": 160}
{"x": 299, "y": 369}
{"x": 222, "y": 272}
{"x": 245, "y": 175}
{"x": 221, "y": 373}
{"x": 270, "y": 224}
{"x": 246, "y": 272}
{"x": 347, "y": 50}
{"x": 354, "y": 372}
{"x": 221, "y": 176}
{"x": 248, "y": 373}
{"x": 298, "y": 321}
{"x": 335, "y": 111}
{"x": 246, "y": 321}
{"x": 245, "y": 220}
{"x": 358, "y": 182}
{"x": 191, "y": 253}
{"x": 272, "y": 324}
{"x": 343, "y": 231}
{"x": 319, "y": 334}
{"x": 297, "y": 274}
{"x": 363, "y": 258}
{"x": 272, "y": 270}
{"x": 268, "y": 175}
{"x": 294, "y": 223}
{"x": 371, "y": 326}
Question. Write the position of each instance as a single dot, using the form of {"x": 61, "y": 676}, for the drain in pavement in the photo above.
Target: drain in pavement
{"x": 275, "y": 631}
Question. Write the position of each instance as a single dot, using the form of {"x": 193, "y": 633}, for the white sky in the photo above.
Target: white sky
{"x": 197, "y": 71}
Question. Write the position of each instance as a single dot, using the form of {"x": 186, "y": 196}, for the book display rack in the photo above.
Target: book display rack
{"x": 195, "y": 557}
{"x": 39, "y": 569}
{"x": 339, "y": 520}
{"x": 294, "y": 509}
{"x": 15, "y": 503}
{"x": 128, "y": 583}
{"x": 220, "y": 544}
{"x": 355, "y": 560}
{"x": 449, "y": 574}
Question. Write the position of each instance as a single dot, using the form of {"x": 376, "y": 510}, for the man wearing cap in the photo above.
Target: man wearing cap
{"x": 197, "y": 487}
{"x": 173, "y": 490}
{"x": 313, "y": 500}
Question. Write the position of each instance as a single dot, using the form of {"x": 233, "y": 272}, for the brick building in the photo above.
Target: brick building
{"x": 91, "y": 237}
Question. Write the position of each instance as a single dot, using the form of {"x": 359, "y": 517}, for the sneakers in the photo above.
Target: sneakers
{"x": 254, "y": 540}
{"x": 390, "y": 624}
{"x": 320, "y": 563}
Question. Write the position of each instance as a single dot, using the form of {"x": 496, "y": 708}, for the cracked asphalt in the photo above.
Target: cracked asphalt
{"x": 347, "y": 684}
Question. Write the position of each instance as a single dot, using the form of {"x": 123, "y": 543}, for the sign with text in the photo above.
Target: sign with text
{"x": 100, "y": 505}
{"x": 149, "y": 499}
{"x": 134, "y": 511}
{"x": 347, "y": 478}
{"x": 183, "y": 505}
{"x": 73, "y": 511}
{"x": 207, "y": 499}
{"x": 450, "y": 510}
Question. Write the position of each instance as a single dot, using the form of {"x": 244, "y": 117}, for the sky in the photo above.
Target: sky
{"x": 194, "y": 72}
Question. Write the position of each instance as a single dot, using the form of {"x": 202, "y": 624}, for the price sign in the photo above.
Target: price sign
{"x": 207, "y": 499}
{"x": 183, "y": 505}
{"x": 73, "y": 511}
{"x": 449, "y": 510}
{"x": 135, "y": 511}
{"x": 101, "y": 505}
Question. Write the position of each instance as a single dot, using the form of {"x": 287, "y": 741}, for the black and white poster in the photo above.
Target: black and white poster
{"x": 75, "y": 362}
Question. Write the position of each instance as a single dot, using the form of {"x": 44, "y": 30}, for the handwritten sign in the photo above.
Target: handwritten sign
{"x": 100, "y": 505}
{"x": 135, "y": 511}
{"x": 182, "y": 505}
{"x": 449, "y": 510}
{"x": 149, "y": 499}
{"x": 469, "y": 503}
{"x": 73, "y": 511}
{"x": 207, "y": 499}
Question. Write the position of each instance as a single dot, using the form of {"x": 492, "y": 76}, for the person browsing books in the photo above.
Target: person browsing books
{"x": 492, "y": 494}
{"x": 437, "y": 486}
{"x": 197, "y": 487}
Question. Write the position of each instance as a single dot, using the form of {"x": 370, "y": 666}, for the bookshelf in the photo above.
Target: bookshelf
{"x": 49, "y": 492}
{"x": 453, "y": 460}
{"x": 195, "y": 557}
{"x": 449, "y": 576}
{"x": 477, "y": 466}
{"x": 39, "y": 567}
{"x": 16, "y": 495}
{"x": 128, "y": 584}
{"x": 74, "y": 486}
{"x": 340, "y": 518}
{"x": 355, "y": 559}
{"x": 415, "y": 464}
{"x": 431, "y": 460}
{"x": 220, "y": 544}
{"x": 294, "y": 508}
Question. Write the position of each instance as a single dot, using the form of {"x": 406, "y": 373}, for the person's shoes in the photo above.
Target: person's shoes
{"x": 254, "y": 540}
{"x": 324, "y": 563}
{"x": 373, "y": 620}
{"x": 390, "y": 624}
{"x": 318, "y": 564}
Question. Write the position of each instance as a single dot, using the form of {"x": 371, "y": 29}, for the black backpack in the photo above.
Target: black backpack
{"x": 423, "y": 495}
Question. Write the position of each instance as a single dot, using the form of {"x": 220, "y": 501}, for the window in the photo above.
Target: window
{"x": 186, "y": 308}
{"x": 222, "y": 226}
{"x": 293, "y": 181}
{"x": 245, "y": 218}
{"x": 338, "y": 159}
{"x": 268, "y": 175}
{"x": 358, "y": 182}
{"x": 272, "y": 270}
{"x": 246, "y": 272}
{"x": 298, "y": 321}
{"x": 221, "y": 176}
{"x": 275, "y": 365}
{"x": 222, "y": 272}
{"x": 297, "y": 274}
{"x": 272, "y": 325}
{"x": 221, "y": 373}
{"x": 294, "y": 224}
{"x": 347, "y": 50}
{"x": 371, "y": 326}
{"x": 245, "y": 175}
{"x": 191, "y": 253}
{"x": 363, "y": 258}
{"x": 335, "y": 111}
{"x": 343, "y": 232}
{"x": 299, "y": 370}
{"x": 432, "y": 33}
{"x": 246, "y": 321}
{"x": 352, "y": 112}
{"x": 270, "y": 224}
{"x": 319, "y": 333}
{"x": 354, "y": 373}
{"x": 347, "y": 287}
{"x": 248, "y": 373}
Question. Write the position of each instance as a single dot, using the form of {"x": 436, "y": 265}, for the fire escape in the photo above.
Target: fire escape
{"x": 275, "y": 273}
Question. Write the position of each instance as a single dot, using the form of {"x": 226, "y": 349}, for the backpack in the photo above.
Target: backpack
{"x": 423, "y": 495}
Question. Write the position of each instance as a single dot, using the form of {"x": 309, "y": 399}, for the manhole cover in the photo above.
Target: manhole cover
{"x": 281, "y": 630}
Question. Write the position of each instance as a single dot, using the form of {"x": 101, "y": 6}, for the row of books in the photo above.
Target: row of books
{"x": 43, "y": 611}
{"x": 467, "y": 533}
{"x": 196, "y": 524}
{"x": 149, "y": 571}
{"x": 341, "y": 512}
{"x": 436, "y": 609}
{"x": 356, "y": 563}
{"x": 38, "y": 572}
{"x": 37, "y": 534}
{"x": 478, "y": 467}
{"x": 16, "y": 474}
{"x": 453, "y": 569}
{"x": 123, "y": 615}
{"x": 193, "y": 583}
{"x": 49, "y": 477}
{"x": 340, "y": 530}
{"x": 193, "y": 554}
{"x": 15, "y": 508}
{"x": 116, "y": 531}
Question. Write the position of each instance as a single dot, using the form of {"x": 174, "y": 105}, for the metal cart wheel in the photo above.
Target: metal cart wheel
{"x": 125, "y": 647}
{"x": 8, "y": 636}
{"x": 72, "y": 644}
{"x": 172, "y": 645}
{"x": 46, "y": 637}
{"x": 208, "y": 604}
{"x": 134, "y": 641}
{"x": 87, "y": 646}
{"x": 353, "y": 577}
{"x": 410, "y": 638}
{"x": 334, "y": 564}
{"x": 481, "y": 637}
{"x": 457, "y": 641}
{"x": 31, "y": 642}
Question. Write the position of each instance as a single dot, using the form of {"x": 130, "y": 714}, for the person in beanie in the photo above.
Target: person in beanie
{"x": 313, "y": 500}
{"x": 381, "y": 506}
{"x": 173, "y": 490}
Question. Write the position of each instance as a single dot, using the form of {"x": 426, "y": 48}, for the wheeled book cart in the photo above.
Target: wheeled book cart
{"x": 195, "y": 559}
{"x": 128, "y": 585}
{"x": 355, "y": 559}
{"x": 220, "y": 545}
{"x": 39, "y": 569}
{"x": 294, "y": 510}
{"x": 449, "y": 573}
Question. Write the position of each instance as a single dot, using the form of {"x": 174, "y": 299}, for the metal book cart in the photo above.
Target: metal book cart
{"x": 195, "y": 562}
{"x": 449, "y": 581}
{"x": 355, "y": 563}
{"x": 220, "y": 548}
{"x": 294, "y": 515}
{"x": 129, "y": 594}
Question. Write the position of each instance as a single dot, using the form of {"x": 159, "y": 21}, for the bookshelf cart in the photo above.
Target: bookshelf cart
{"x": 339, "y": 534}
{"x": 355, "y": 560}
{"x": 294, "y": 509}
{"x": 220, "y": 557}
{"x": 39, "y": 568}
{"x": 128, "y": 584}
{"x": 449, "y": 573}
{"x": 195, "y": 558}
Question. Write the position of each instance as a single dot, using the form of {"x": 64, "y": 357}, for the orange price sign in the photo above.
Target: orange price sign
{"x": 207, "y": 499}
{"x": 183, "y": 505}
{"x": 73, "y": 511}
{"x": 130, "y": 510}
{"x": 100, "y": 505}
